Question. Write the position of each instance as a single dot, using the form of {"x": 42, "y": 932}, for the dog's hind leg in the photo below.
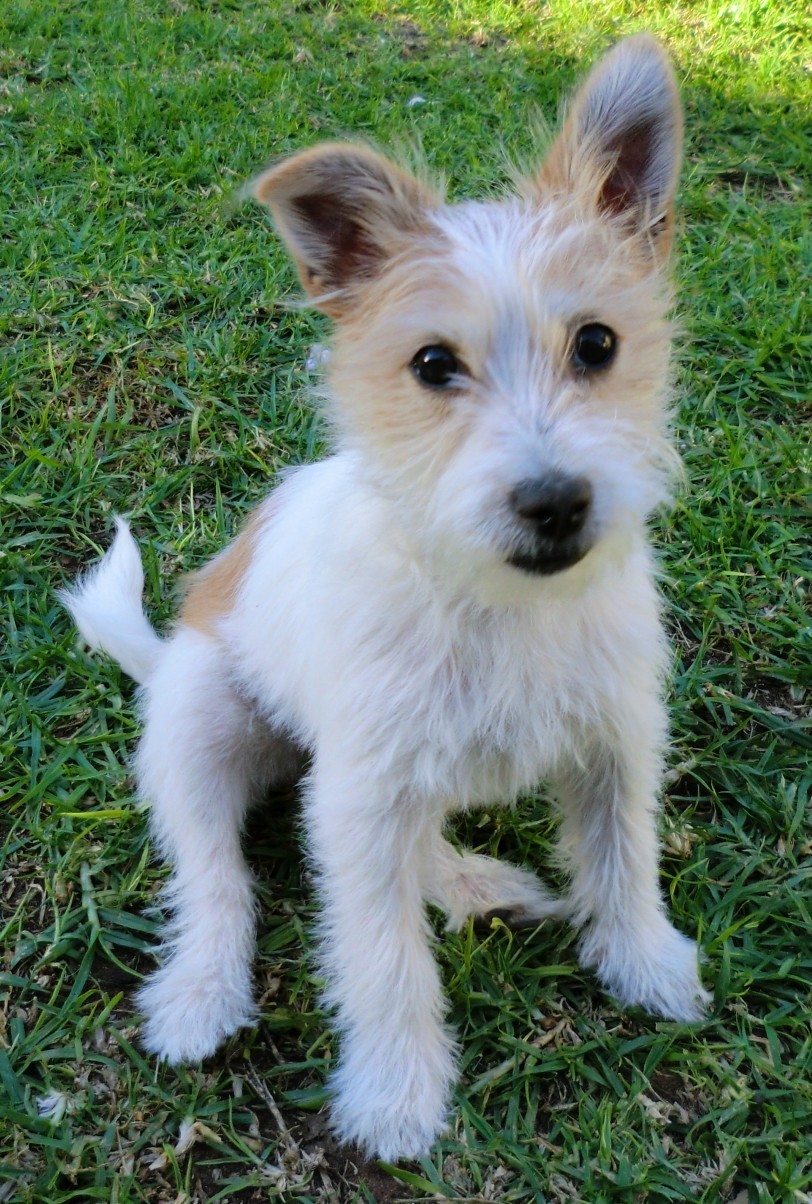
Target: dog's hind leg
{"x": 194, "y": 766}
{"x": 466, "y": 884}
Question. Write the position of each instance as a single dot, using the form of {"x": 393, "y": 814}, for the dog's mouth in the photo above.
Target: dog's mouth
{"x": 544, "y": 563}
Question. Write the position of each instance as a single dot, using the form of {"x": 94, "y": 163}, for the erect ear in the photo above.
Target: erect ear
{"x": 343, "y": 212}
{"x": 621, "y": 144}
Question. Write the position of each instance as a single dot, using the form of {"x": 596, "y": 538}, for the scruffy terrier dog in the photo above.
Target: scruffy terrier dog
{"x": 455, "y": 605}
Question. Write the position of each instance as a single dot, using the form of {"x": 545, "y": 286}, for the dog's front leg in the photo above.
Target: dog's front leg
{"x": 194, "y": 768}
{"x": 609, "y": 838}
{"x": 396, "y": 1062}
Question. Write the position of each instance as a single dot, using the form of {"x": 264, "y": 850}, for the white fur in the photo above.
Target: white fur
{"x": 106, "y": 607}
{"x": 194, "y": 765}
{"x": 379, "y": 627}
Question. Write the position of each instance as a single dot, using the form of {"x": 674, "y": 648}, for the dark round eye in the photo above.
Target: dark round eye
{"x": 594, "y": 347}
{"x": 435, "y": 366}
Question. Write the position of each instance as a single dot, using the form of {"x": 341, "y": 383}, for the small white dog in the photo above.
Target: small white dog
{"x": 457, "y": 604}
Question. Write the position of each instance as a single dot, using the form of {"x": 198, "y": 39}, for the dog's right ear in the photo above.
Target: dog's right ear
{"x": 343, "y": 212}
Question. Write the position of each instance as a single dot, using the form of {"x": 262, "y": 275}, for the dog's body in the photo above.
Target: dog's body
{"x": 455, "y": 606}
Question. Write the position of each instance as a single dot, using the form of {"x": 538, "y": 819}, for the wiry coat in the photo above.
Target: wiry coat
{"x": 403, "y": 613}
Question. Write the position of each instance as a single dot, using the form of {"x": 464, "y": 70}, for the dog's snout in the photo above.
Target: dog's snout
{"x": 556, "y": 506}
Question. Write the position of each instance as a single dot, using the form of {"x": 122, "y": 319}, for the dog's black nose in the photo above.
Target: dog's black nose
{"x": 556, "y": 506}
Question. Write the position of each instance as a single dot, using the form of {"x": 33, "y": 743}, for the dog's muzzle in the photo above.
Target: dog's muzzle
{"x": 552, "y": 514}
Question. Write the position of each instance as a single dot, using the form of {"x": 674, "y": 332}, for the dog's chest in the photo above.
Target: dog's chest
{"x": 484, "y": 713}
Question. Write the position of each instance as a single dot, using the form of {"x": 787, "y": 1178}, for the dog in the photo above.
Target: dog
{"x": 457, "y": 604}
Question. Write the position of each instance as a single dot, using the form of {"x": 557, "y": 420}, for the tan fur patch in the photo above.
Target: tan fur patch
{"x": 212, "y": 591}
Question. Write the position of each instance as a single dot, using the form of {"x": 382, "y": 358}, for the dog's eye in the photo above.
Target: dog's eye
{"x": 435, "y": 366}
{"x": 594, "y": 347}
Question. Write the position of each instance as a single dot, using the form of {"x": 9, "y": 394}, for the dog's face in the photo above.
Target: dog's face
{"x": 502, "y": 367}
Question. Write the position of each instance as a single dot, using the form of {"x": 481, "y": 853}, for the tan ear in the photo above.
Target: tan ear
{"x": 343, "y": 212}
{"x": 621, "y": 145}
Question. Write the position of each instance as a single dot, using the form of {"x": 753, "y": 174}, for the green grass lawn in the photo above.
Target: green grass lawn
{"x": 151, "y": 363}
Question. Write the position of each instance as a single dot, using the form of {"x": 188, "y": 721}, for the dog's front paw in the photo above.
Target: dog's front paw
{"x": 655, "y": 968}
{"x": 190, "y": 1012}
{"x": 392, "y": 1109}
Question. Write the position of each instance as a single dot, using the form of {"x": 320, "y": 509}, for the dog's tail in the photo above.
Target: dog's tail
{"x": 106, "y": 606}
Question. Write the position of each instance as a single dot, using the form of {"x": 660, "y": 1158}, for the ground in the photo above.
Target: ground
{"x": 153, "y": 364}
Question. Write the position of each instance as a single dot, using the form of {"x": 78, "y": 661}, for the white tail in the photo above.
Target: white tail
{"x": 106, "y": 606}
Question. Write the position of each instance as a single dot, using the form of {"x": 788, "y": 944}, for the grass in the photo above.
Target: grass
{"x": 152, "y": 364}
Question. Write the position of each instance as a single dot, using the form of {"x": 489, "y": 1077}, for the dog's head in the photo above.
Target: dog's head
{"x": 501, "y": 367}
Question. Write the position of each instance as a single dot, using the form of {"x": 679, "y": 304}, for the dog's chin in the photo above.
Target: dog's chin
{"x": 546, "y": 564}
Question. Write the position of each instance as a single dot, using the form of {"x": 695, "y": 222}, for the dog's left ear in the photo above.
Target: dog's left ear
{"x": 621, "y": 146}
{"x": 343, "y": 212}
